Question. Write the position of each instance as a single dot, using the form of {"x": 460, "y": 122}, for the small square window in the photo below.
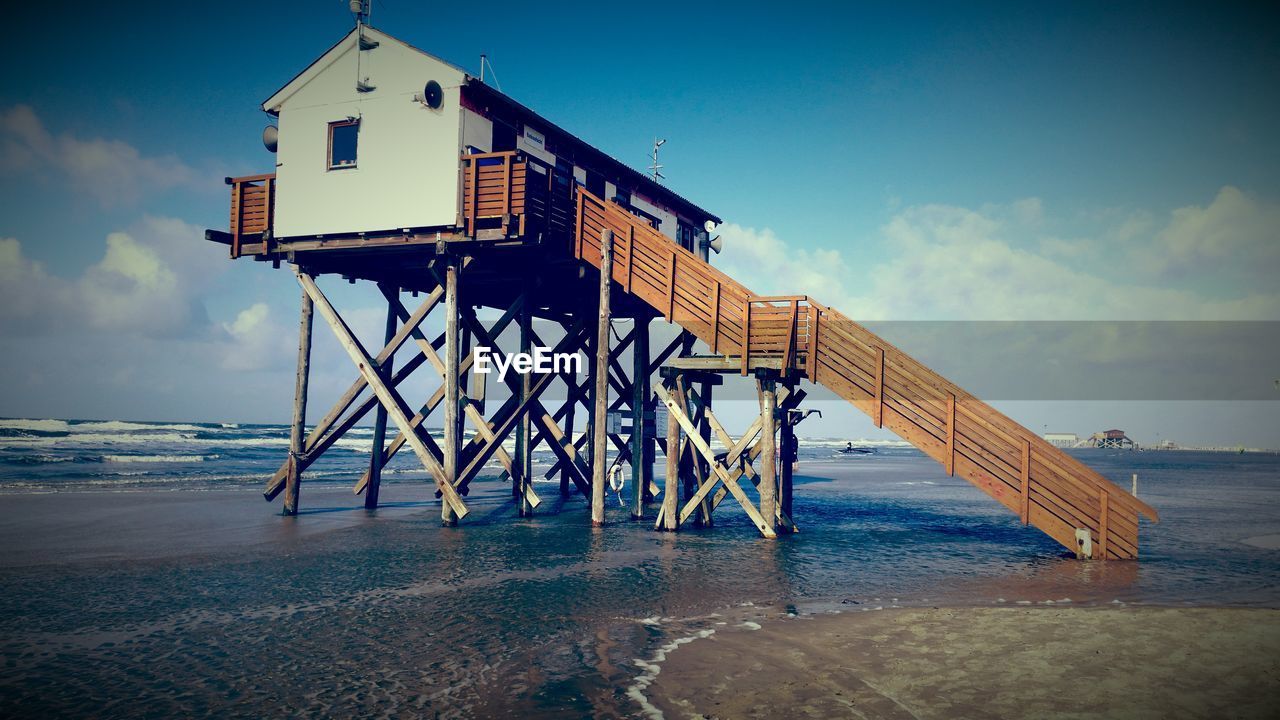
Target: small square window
{"x": 342, "y": 144}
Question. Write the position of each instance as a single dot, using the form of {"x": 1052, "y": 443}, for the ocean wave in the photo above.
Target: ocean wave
{"x": 36, "y": 425}
{"x": 118, "y": 426}
{"x": 157, "y": 458}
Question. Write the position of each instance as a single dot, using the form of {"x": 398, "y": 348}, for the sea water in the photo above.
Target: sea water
{"x": 543, "y": 615}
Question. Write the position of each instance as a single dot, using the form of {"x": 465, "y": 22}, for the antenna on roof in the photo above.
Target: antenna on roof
{"x": 656, "y": 167}
{"x": 362, "y": 9}
{"x": 484, "y": 62}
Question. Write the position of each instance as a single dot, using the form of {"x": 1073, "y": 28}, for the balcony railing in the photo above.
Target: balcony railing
{"x": 493, "y": 191}
{"x": 253, "y": 203}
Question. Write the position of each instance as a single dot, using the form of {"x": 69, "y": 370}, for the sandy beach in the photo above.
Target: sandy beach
{"x": 1025, "y": 662}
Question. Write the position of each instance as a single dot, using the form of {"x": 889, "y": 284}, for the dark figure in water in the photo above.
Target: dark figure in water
{"x": 848, "y": 447}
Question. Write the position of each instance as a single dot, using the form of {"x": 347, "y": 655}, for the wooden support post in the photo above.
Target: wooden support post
{"x": 671, "y": 483}
{"x": 599, "y": 417}
{"x": 1134, "y": 491}
{"x": 452, "y": 438}
{"x": 641, "y": 470}
{"x": 746, "y": 335}
{"x": 571, "y": 404}
{"x": 1025, "y": 511}
{"x": 380, "y": 421}
{"x": 769, "y": 451}
{"x": 951, "y": 434}
{"x": 523, "y": 464}
{"x": 788, "y": 455}
{"x": 294, "y": 480}
{"x": 704, "y": 468}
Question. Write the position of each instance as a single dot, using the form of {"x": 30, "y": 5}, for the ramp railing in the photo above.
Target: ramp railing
{"x": 1040, "y": 483}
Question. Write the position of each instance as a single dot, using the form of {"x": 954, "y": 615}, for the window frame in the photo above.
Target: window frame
{"x": 328, "y": 160}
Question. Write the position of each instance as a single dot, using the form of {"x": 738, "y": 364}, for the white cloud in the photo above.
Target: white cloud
{"x": 1235, "y": 235}
{"x": 111, "y": 171}
{"x": 944, "y": 262}
{"x": 148, "y": 282}
{"x": 257, "y": 341}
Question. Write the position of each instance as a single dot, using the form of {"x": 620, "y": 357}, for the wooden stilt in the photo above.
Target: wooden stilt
{"x": 380, "y": 419}
{"x": 671, "y": 483}
{"x": 641, "y": 469}
{"x": 294, "y": 480}
{"x": 570, "y": 405}
{"x": 598, "y": 417}
{"x": 524, "y": 450}
{"x": 451, "y": 436}
{"x": 768, "y": 453}
{"x": 788, "y": 455}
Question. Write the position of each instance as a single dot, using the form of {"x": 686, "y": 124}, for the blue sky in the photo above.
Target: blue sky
{"x": 953, "y": 161}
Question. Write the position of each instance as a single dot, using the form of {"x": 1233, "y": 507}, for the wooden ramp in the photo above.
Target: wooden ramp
{"x": 1046, "y": 487}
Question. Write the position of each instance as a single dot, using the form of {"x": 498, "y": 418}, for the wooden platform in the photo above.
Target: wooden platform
{"x": 529, "y": 250}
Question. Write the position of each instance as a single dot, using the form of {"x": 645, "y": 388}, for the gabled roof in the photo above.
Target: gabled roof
{"x": 272, "y": 104}
{"x": 598, "y": 159}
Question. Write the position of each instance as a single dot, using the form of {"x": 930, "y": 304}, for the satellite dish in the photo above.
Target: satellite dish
{"x": 271, "y": 137}
{"x": 433, "y": 95}
{"x": 709, "y": 226}
{"x": 716, "y": 244}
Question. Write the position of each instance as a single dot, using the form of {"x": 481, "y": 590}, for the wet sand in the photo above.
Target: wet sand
{"x": 1121, "y": 662}
{"x": 87, "y": 527}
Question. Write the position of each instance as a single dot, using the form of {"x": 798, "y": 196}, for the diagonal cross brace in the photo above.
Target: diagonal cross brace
{"x": 765, "y": 528}
{"x": 387, "y": 396}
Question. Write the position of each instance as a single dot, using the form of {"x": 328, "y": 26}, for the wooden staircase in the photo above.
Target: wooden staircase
{"x": 1045, "y": 486}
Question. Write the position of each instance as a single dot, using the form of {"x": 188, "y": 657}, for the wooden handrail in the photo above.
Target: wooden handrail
{"x": 1040, "y": 483}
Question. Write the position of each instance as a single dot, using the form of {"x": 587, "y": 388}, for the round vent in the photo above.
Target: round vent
{"x": 433, "y": 95}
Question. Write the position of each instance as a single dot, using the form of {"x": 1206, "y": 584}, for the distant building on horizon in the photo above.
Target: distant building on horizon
{"x": 1062, "y": 440}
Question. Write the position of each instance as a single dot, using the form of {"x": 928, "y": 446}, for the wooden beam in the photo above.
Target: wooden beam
{"x": 507, "y": 415}
{"x": 523, "y": 467}
{"x": 380, "y": 418}
{"x": 788, "y": 453}
{"x": 768, "y": 450}
{"x": 1025, "y": 511}
{"x": 451, "y": 435}
{"x": 387, "y": 396}
{"x": 951, "y": 434}
{"x": 320, "y": 439}
{"x": 765, "y": 528}
{"x": 640, "y": 468}
{"x": 715, "y": 317}
{"x": 599, "y": 418}
{"x": 1103, "y": 519}
{"x": 294, "y": 480}
{"x": 879, "y": 399}
{"x": 671, "y": 482}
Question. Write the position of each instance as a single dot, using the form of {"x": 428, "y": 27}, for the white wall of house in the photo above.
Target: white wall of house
{"x": 406, "y": 172}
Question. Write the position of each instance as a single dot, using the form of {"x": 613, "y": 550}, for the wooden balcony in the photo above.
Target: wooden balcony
{"x": 253, "y": 204}
{"x": 519, "y": 195}
{"x": 505, "y": 196}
